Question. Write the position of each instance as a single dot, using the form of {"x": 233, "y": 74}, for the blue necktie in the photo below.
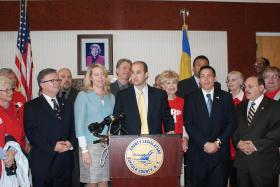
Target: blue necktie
{"x": 209, "y": 104}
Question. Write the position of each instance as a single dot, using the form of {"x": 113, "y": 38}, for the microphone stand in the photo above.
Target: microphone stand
{"x": 120, "y": 130}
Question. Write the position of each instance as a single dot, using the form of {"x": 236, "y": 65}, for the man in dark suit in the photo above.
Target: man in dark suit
{"x": 66, "y": 90}
{"x": 49, "y": 126}
{"x": 209, "y": 117}
{"x": 123, "y": 70}
{"x": 191, "y": 84}
{"x": 70, "y": 93}
{"x": 156, "y": 110}
{"x": 257, "y": 137}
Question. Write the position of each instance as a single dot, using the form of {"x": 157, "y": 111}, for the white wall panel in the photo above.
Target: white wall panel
{"x": 160, "y": 49}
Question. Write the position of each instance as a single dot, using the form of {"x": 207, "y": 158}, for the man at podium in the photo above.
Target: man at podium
{"x": 145, "y": 108}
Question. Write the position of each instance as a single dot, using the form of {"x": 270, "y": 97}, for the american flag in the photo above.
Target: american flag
{"x": 24, "y": 62}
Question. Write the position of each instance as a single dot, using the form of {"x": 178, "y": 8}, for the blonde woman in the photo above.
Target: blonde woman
{"x": 93, "y": 104}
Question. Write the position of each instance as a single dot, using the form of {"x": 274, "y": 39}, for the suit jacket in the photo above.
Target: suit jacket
{"x": 189, "y": 85}
{"x": 71, "y": 96}
{"x": 115, "y": 88}
{"x": 264, "y": 132}
{"x": 202, "y": 128}
{"x": 43, "y": 129}
{"x": 158, "y": 111}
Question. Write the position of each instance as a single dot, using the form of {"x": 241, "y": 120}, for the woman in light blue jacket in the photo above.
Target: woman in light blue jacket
{"x": 93, "y": 104}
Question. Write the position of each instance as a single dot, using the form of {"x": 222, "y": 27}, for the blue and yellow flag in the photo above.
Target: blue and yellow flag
{"x": 185, "y": 64}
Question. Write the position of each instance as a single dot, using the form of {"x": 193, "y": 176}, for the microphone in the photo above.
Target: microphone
{"x": 98, "y": 127}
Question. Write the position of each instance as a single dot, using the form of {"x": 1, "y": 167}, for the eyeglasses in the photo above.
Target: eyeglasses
{"x": 8, "y": 90}
{"x": 52, "y": 80}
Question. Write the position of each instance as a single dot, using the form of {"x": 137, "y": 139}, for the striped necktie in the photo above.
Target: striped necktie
{"x": 143, "y": 113}
{"x": 56, "y": 108}
{"x": 251, "y": 113}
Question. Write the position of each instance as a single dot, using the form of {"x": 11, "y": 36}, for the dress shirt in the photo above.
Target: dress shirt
{"x": 49, "y": 100}
{"x": 257, "y": 103}
{"x": 205, "y": 97}
{"x": 145, "y": 94}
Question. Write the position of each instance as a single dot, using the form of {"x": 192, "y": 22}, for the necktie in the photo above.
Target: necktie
{"x": 251, "y": 113}
{"x": 209, "y": 104}
{"x": 56, "y": 108}
{"x": 143, "y": 113}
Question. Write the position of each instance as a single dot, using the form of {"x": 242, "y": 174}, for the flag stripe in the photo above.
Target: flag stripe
{"x": 23, "y": 61}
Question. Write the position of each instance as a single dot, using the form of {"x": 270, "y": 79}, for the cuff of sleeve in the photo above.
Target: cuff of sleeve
{"x": 185, "y": 134}
{"x": 82, "y": 142}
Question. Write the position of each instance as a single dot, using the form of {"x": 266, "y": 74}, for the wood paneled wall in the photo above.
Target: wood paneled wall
{"x": 240, "y": 20}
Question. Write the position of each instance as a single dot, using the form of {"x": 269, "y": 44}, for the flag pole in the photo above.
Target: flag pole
{"x": 185, "y": 13}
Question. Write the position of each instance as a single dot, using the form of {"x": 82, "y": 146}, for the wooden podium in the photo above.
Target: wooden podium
{"x": 167, "y": 175}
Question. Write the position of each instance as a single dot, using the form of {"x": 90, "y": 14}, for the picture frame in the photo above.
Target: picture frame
{"x": 95, "y": 48}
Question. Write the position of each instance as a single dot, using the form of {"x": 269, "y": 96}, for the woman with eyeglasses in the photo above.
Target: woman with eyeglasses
{"x": 9, "y": 124}
{"x": 10, "y": 114}
{"x": 235, "y": 84}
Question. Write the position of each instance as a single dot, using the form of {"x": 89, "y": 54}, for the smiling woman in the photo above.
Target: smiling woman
{"x": 10, "y": 115}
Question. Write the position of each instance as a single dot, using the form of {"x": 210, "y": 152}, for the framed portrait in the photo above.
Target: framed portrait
{"x": 95, "y": 49}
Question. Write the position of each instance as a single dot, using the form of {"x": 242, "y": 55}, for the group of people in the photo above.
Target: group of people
{"x": 232, "y": 134}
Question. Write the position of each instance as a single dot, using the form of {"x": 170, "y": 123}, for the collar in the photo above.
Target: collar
{"x": 257, "y": 101}
{"x": 49, "y": 99}
{"x": 196, "y": 80}
{"x": 122, "y": 85}
{"x": 144, "y": 89}
{"x": 211, "y": 92}
{"x": 240, "y": 95}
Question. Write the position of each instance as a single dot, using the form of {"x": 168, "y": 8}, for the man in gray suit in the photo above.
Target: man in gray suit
{"x": 123, "y": 70}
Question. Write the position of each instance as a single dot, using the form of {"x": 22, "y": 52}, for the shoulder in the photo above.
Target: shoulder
{"x": 156, "y": 91}
{"x": 33, "y": 102}
{"x": 272, "y": 102}
{"x": 126, "y": 91}
{"x": 186, "y": 81}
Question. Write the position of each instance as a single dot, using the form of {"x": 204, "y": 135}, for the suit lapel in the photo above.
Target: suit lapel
{"x": 259, "y": 111}
{"x": 47, "y": 107}
{"x": 194, "y": 83}
{"x": 134, "y": 106}
{"x": 202, "y": 102}
{"x": 61, "y": 107}
{"x": 217, "y": 102}
{"x": 151, "y": 102}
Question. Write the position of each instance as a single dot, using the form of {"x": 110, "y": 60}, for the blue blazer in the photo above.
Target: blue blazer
{"x": 43, "y": 129}
{"x": 158, "y": 111}
{"x": 202, "y": 128}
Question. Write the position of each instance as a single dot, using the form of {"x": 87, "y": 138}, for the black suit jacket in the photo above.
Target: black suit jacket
{"x": 43, "y": 129}
{"x": 264, "y": 132}
{"x": 202, "y": 128}
{"x": 189, "y": 85}
{"x": 158, "y": 111}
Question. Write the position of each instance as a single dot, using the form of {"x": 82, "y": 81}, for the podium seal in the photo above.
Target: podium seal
{"x": 144, "y": 156}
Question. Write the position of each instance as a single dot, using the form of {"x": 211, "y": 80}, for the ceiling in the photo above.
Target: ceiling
{"x": 242, "y": 1}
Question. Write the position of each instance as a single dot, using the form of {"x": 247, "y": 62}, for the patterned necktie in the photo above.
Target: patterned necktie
{"x": 143, "y": 113}
{"x": 251, "y": 113}
{"x": 209, "y": 104}
{"x": 56, "y": 108}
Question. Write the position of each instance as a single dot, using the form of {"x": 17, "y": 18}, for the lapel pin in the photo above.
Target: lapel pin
{"x": 217, "y": 97}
